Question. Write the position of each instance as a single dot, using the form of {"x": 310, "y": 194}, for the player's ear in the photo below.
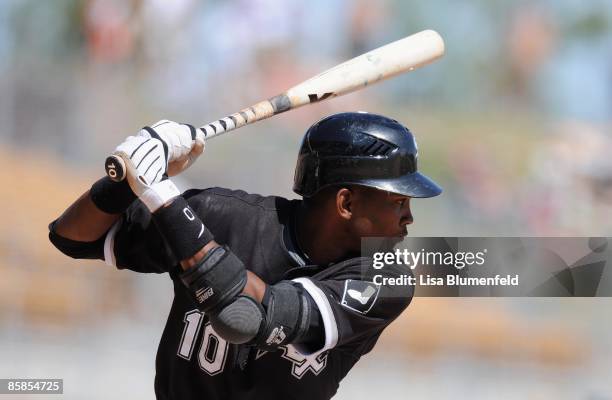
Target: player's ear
{"x": 344, "y": 203}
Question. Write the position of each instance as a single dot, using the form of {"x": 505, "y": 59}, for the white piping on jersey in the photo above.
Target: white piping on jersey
{"x": 109, "y": 244}
{"x": 291, "y": 247}
{"x": 329, "y": 321}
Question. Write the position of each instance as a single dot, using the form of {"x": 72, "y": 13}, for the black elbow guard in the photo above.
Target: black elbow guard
{"x": 283, "y": 318}
{"x": 75, "y": 249}
{"x": 239, "y": 322}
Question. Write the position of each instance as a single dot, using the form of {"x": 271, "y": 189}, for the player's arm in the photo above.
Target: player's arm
{"x": 84, "y": 221}
{"x": 165, "y": 148}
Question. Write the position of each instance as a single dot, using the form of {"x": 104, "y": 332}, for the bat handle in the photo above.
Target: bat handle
{"x": 115, "y": 165}
{"x": 262, "y": 110}
{"x": 115, "y": 168}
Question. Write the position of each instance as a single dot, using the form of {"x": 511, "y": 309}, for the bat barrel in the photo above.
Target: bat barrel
{"x": 403, "y": 55}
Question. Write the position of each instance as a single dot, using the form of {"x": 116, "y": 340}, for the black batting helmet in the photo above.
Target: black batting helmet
{"x": 362, "y": 149}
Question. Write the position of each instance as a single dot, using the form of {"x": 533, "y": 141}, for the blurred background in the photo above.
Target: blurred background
{"x": 514, "y": 122}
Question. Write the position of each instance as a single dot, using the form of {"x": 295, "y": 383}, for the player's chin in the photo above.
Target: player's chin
{"x": 403, "y": 232}
{"x": 392, "y": 241}
{"x": 399, "y": 235}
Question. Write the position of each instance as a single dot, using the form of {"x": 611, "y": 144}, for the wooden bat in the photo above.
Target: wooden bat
{"x": 403, "y": 55}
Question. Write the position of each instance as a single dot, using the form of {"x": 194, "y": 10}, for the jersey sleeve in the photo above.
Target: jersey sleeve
{"x": 353, "y": 305}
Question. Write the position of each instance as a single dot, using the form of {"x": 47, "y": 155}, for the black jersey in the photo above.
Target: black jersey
{"x": 193, "y": 362}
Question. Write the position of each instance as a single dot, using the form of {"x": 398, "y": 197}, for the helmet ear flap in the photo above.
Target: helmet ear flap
{"x": 307, "y": 176}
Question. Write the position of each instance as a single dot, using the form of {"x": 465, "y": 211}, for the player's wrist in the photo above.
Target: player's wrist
{"x": 182, "y": 229}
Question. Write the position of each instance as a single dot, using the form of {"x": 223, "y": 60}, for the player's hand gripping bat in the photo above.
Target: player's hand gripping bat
{"x": 403, "y": 55}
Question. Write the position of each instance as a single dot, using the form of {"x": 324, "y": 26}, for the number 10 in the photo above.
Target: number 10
{"x": 213, "y": 349}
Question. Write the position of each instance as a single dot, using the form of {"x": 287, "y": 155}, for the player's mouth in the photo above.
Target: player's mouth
{"x": 404, "y": 226}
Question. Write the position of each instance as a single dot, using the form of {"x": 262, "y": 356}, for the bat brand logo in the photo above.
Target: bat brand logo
{"x": 315, "y": 97}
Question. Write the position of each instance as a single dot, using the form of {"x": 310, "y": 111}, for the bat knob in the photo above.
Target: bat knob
{"x": 115, "y": 168}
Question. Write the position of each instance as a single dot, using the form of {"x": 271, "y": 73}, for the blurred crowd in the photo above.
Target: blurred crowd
{"x": 78, "y": 75}
{"x": 515, "y": 122}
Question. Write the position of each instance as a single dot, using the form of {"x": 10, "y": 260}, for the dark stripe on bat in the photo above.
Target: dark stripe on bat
{"x": 192, "y": 130}
{"x": 213, "y": 128}
{"x": 280, "y": 103}
{"x": 233, "y": 120}
{"x": 223, "y": 124}
{"x": 245, "y": 116}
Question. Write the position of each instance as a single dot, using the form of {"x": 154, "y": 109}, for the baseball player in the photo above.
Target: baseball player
{"x": 272, "y": 297}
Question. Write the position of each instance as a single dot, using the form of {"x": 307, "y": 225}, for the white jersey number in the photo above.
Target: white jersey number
{"x": 213, "y": 348}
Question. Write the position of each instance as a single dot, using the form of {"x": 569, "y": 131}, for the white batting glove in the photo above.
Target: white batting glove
{"x": 164, "y": 149}
{"x": 145, "y": 161}
{"x": 184, "y": 143}
{"x": 145, "y": 171}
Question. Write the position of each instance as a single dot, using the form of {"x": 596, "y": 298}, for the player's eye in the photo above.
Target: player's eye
{"x": 401, "y": 202}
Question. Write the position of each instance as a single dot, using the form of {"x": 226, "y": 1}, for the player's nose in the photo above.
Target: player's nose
{"x": 407, "y": 218}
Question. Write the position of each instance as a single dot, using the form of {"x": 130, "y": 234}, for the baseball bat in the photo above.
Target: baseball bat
{"x": 403, "y": 55}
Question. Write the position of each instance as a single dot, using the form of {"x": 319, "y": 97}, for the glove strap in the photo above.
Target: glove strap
{"x": 159, "y": 194}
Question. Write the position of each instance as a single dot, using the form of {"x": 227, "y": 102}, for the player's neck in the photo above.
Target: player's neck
{"x": 319, "y": 237}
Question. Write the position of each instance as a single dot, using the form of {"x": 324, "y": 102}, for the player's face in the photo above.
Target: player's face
{"x": 380, "y": 213}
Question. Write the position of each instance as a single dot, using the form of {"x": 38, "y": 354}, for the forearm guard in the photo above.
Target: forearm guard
{"x": 216, "y": 280}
